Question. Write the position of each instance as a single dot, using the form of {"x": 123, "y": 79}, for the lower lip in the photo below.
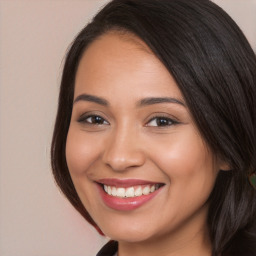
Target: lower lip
{"x": 126, "y": 204}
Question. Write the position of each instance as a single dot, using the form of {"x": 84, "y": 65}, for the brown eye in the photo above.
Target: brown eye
{"x": 93, "y": 119}
{"x": 161, "y": 122}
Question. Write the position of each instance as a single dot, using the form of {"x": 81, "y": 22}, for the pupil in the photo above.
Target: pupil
{"x": 97, "y": 120}
{"x": 162, "y": 122}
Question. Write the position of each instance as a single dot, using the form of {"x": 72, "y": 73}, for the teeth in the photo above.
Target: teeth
{"x": 152, "y": 189}
{"x": 120, "y": 192}
{"x": 130, "y": 191}
{"x": 146, "y": 190}
{"x": 114, "y": 191}
{"x": 138, "y": 191}
{"x": 109, "y": 190}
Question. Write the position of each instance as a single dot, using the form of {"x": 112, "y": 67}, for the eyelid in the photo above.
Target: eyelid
{"x": 82, "y": 118}
{"x": 172, "y": 119}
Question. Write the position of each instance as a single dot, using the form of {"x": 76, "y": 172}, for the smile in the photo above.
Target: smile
{"x": 133, "y": 191}
{"x": 127, "y": 195}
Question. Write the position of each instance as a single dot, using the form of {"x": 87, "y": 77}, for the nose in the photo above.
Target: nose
{"x": 123, "y": 150}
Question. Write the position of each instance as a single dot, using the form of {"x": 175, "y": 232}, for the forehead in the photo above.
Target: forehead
{"x": 121, "y": 61}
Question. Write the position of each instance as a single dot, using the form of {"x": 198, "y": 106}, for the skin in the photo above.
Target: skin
{"x": 128, "y": 143}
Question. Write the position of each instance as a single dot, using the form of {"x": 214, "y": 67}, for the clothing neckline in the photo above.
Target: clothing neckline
{"x": 109, "y": 249}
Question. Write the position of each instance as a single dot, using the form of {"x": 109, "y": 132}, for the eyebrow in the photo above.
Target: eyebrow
{"x": 91, "y": 98}
{"x": 158, "y": 100}
{"x": 141, "y": 103}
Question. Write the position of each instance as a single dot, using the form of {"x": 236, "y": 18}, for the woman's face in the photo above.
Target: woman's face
{"x": 132, "y": 133}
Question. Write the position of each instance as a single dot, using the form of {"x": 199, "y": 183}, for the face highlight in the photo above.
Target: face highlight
{"x": 136, "y": 158}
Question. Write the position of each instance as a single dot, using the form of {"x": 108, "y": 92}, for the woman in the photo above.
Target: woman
{"x": 154, "y": 141}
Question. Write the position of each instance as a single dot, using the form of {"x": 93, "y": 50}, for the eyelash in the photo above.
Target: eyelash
{"x": 98, "y": 120}
{"x": 167, "y": 121}
{"x": 84, "y": 119}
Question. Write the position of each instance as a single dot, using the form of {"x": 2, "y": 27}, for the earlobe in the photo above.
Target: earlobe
{"x": 224, "y": 166}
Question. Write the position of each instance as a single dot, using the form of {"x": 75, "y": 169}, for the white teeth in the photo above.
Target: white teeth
{"x": 109, "y": 190}
{"x": 114, "y": 191}
{"x": 146, "y": 190}
{"x": 138, "y": 191}
{"x": 130, "y": 191}
{"x": 120, "y": 192}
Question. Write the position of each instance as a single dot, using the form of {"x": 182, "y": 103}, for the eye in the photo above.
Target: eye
{"x": 161, "y": 121}
{"x": 93, "y": 120}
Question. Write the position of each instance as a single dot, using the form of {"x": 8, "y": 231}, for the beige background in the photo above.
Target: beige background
{"x": 35, "y": 219}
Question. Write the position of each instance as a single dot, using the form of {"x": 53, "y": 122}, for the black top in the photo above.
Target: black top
{"x": 108, "y": 249}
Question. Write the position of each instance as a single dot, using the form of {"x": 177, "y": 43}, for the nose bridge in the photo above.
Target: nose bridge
{"x": 122, "y": 149}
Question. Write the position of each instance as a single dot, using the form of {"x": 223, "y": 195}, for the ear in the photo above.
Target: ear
{"x": 224, "y": 166}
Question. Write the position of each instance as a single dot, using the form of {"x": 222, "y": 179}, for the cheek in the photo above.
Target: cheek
{"x": 81, "y": 152}
{"x": 186, "y": 161}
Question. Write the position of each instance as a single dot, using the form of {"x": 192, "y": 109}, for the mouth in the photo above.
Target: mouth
{"x": 133, "y": 191}
{"x": 129, "y": 194}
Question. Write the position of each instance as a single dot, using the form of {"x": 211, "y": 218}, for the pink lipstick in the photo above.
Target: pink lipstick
{"x": 127, "y": 194}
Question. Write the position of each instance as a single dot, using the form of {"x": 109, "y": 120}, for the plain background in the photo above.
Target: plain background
{"x": 35, "y": 219}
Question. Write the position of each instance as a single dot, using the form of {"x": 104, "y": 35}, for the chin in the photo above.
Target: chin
{"x": 127, "y": 234}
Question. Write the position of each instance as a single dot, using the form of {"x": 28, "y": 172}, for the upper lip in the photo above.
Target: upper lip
{"x": 125, "y": 182}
